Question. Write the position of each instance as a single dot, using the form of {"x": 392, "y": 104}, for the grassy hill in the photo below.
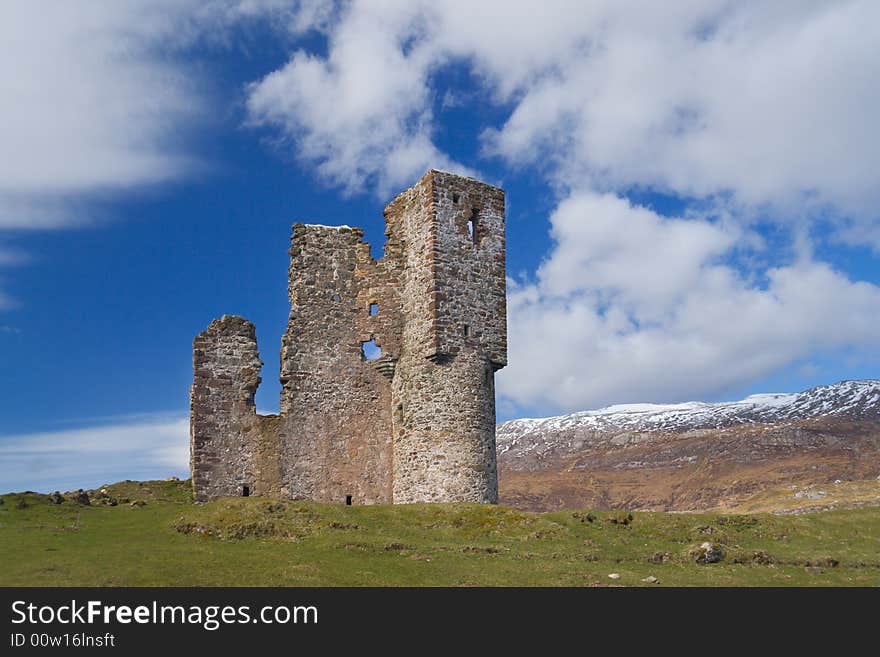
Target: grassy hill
{"x": 154, "y": 535}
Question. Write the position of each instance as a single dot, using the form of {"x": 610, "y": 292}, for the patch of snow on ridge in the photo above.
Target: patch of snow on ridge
{"x": 851, "y": 398}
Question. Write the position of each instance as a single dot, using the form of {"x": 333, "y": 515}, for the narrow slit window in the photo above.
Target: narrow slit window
{"x": 370, "y": 350}
{"x": 473, "y": 228}
{"x": 374, "y": 308}
{"x": 245, "y": 491}
{"x": 348, "y": 500}
{"x": 467, "y": 331}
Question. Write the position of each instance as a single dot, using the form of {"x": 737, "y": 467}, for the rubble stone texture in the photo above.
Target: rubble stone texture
{"x": 416, "y": 423}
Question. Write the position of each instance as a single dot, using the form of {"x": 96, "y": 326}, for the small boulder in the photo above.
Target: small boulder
{"x": 650, "y": 579}
{"x": 708, "y": 553}
{"x": 56, "y": 498}
{"x": 614, "y": 575}
{"x": 82, "y": 497}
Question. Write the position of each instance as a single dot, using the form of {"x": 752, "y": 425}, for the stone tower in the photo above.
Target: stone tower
{"x": 414, "y": 424}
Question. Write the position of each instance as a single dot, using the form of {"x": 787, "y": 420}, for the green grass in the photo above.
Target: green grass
{"x": 257, "y": 542}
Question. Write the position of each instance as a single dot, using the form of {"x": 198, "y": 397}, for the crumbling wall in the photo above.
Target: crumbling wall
{"x": 226, "y": 367}
{"x": 335, "y": 404}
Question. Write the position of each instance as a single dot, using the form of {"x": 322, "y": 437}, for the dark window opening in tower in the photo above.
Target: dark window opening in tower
{"x": 472, "y": 227}
{"x": 467, "y": 331}
{"x": 245, "y": 491}
{"x": 374, "y": 308}
{"x": 348, "y": 500}
{"x": 370, "y": 350}
{"x": 455, "y": 198}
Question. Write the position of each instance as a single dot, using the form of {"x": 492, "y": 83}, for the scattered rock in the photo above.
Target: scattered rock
{"x": 395, "y": 547}
{"x": 810, "y": 494}
{"x": 762, "y": 557}
{"x": 137, "y": 503}
{"x": 82, "y": 497}
{"x": 708, "y": 553}
{"x": 660, "y": 557}
{"x": 588, "y": 517}
{"x": 614, "y": 575}
{"x": 814, "y": 570}
{"x": 827, "y": 562}
{"x": 342, "y": 525}
{"x": 650, "y": 579}
{"x": 172, "y": 479}
{"x": 56, "y": 498}
{"x": 620, "y": 519}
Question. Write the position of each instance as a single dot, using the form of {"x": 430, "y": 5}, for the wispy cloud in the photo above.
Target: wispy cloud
{"x": 147, "y": 448}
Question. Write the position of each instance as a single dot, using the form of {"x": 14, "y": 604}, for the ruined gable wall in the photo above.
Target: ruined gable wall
{"x": 223, "y": 421}
{"x": 335, "y": 430}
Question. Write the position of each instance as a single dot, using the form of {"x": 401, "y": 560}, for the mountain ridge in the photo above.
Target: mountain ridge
{"x": 857, "y": 397}
{"x": 692, "y": 455}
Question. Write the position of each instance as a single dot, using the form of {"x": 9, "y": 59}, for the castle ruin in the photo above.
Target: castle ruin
{"x": 416, "y": 423}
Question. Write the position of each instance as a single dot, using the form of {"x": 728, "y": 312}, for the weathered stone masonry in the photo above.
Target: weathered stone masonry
{"x": 416, "y": 424}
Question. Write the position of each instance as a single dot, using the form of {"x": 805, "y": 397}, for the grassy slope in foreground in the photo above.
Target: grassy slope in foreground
{"x": 252, "y": 541}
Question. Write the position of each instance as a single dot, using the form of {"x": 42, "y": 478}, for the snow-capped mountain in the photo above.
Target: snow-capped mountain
{"x": 846, "y": 399}
{"x": 691, "y": 456}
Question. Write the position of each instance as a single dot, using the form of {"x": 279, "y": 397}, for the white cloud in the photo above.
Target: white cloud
{"x": 773, "y": 102}
{"x": 633, "y": 306}
{"x": 144, "y": 448}
{"x": 363, "y": 114}
{"x": 92, "y": 101}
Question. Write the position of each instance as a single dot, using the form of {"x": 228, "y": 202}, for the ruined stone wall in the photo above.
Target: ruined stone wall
{"x": 335, "y": 404}
{"x": 416, "y": 424}
{"x": 226, "y": 367}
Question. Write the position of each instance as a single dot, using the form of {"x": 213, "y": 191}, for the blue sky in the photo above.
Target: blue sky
{"x": 692, "y": 194}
